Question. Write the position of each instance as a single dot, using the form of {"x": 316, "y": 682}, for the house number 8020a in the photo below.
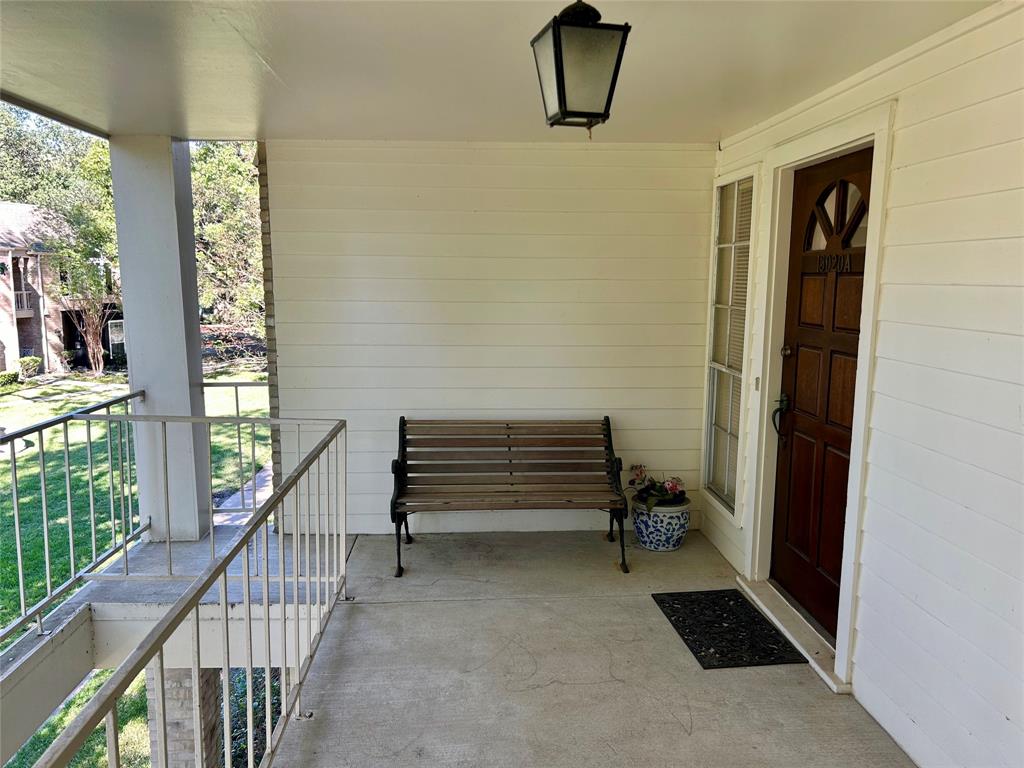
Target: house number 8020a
{"x": 835, "y": 262}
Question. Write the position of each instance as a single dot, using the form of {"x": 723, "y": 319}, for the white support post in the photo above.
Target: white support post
{"x": 156, "y": 243}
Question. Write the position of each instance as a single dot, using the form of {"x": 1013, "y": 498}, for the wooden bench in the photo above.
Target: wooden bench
{"x": 448, "y": 466}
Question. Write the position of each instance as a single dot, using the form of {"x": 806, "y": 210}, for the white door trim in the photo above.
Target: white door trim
{"x": 872, "y": 127}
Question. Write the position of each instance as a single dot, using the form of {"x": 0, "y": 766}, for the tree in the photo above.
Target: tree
{"x": 226, "y": 208}
{"x": 67, "y": 173}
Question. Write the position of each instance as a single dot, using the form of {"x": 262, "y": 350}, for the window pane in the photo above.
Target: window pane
{"x": 731, "y": 461}
{"x": 735, "y": 351}
{"x": 717, "y": 466}
{"x": 723, "y": 275}
{"x": 723, "y": 398}
{"x": 726, "y": 213}
{"x": 744, "y": 209}
{"x": 734, "y": 405}
{"x": 741, "y": 268}
{"x": 720, "y": 335}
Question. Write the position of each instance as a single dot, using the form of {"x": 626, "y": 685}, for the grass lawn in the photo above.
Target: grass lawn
{"x": 29, "y": 405}
{"x": 133, "y": 728}
{"x": 133, "y": 723}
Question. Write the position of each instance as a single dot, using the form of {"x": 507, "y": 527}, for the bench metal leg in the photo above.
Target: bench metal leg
{"x": 408, "y": 538}
{"x": 611, "y": 526}
{"x": 398, "y": 546}
{"x": 619, "y": 515}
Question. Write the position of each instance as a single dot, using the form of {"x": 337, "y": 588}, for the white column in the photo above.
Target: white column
{"x": 156, "y": 248}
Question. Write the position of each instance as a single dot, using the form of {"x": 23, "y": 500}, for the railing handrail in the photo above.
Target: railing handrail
{"x": 206, "y": 383}
{"x": 259, "y": 420}
{"x": 56, "y": 421}
{"x": 63, "y": 749}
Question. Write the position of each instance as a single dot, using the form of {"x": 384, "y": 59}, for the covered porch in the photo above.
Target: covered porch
{"x": 789, "y": 270}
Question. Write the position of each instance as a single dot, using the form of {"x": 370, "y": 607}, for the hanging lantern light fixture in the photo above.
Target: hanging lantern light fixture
{"x": 578, "y": 61}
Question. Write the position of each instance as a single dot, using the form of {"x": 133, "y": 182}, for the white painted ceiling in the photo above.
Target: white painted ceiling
{"x": 693, "y": 71}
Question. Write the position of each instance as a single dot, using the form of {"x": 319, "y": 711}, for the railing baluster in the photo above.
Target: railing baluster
{"x": 73, "y": 565}
{"x": 17, "y": 526}
{"x": 295, "y": 597}
{"x": 128, "y": 452}
{"x": 197, "y": 699}
{"x": 225, "y": 668}
{"x": 268, "y": 703}
{"x": 167, "y": 503}
{"x": 110, "y": 483}
{"x": 161, "y": 709}
{"x": 330, "y": 542}
{"x": 92, "y": 489}
{"x": 46, "y": 518}
{"x": 309, "y": 564}
{"x": 241, "y": 460}
{"x": 256, "y": 541}
{"x": 113, "y": 743}
{"x": 279, "y": 516}
{"x": 343, "y": 509}
{"x": 213, "y": 544}
{"x": 125, "y": 522}
{"x": 250, "y": 728}
{"x": 319, "y": 574}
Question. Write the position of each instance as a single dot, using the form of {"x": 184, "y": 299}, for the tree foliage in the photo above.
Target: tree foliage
{"x": 229, "y": 258}
{"x": 67, "y": 173}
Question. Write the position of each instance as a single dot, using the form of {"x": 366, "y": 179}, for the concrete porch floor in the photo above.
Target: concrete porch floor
{"x": 510, "y": 650}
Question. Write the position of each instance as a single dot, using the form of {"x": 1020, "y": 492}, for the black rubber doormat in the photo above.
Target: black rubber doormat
{"x": 722, "y": 629}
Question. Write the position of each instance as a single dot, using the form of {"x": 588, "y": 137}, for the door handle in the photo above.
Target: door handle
{"x": 783, "y": 402}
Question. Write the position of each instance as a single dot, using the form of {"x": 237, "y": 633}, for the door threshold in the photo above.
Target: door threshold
{"x": 804, "y": 637}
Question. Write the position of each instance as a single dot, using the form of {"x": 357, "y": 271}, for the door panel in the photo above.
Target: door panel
{"x": 819, "y": 371}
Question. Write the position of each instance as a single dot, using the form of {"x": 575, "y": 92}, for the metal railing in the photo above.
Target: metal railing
{"x": 23, "y": 300}
{"x": 298, "y": 589}
{"x": 126, "y": 525}
{"x": 236, "y": 387}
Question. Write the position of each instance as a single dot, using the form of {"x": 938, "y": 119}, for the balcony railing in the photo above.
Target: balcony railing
{"x": 45, "y": 580}
{"x": 23, "y": 301}
{"x": 94, "y": 487}
{"x": 297, "y": 591}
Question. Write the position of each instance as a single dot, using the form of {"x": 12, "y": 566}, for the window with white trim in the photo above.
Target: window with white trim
{"x": 731, "y": 266}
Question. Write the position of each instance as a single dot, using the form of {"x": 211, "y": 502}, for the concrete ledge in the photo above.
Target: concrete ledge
{"x": 40, "y": 680}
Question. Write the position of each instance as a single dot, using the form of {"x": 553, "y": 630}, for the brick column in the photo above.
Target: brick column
{"x": 178, "y": 695}
{"x": 268, "y": 303}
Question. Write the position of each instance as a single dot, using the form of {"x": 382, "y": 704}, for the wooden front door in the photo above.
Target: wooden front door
{"x": 826, "y": 278}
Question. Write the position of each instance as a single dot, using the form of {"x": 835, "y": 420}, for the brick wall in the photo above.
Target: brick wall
{"x": 268, "y": 297}
{"x": 178, "y": 709}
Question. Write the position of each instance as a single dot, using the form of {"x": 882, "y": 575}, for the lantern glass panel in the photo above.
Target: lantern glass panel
{"x": 589, "y": 55}
{"x": 544, "y": 53}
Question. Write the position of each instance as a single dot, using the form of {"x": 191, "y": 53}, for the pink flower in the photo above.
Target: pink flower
{"x": 671, "y": 486}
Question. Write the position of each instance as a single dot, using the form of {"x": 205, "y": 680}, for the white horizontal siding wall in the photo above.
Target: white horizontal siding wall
{"x": 938, "y": 652}
{"x": 491, "y": 281}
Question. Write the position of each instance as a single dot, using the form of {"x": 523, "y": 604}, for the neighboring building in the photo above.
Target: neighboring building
{"x": 31, "y": 321}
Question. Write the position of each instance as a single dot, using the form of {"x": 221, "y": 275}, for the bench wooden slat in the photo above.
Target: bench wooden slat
{"x": 504, "y": 429}
{"x": 494, "y": 506}
{"x": 581, "y": 478}
{"x": 505, "y": 442}
{"x": 515, "y": 422}
{"x": 594, "y": 454}
{"x": 517, "y": 496}
{"x": 498, "y": 488}
{"x": 474, "y": 468}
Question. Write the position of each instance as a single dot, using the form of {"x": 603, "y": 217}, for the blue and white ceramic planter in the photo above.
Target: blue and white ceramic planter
{"x": 663, "y": 528}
